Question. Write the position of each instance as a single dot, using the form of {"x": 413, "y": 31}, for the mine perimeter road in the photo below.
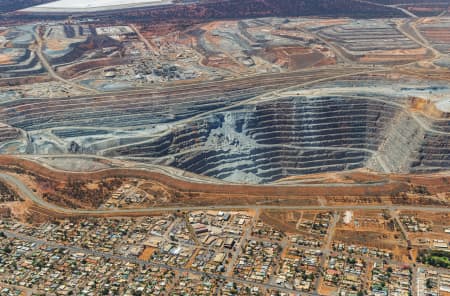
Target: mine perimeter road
{"x": 26, "y": 193}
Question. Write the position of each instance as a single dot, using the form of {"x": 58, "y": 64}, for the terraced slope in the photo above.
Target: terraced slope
{"x": 371, "y": 41}
{"x": 8, "y": 133}
{"x": 162, "y": 106}
{"x": 297, "y": 135}
{"x": 16, "y": 59}
{"x": 213, "y": 130}
{"x": 433, "y": 155}
{"x": 267, "y": 141}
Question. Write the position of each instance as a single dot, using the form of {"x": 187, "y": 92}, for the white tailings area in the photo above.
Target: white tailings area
{"x": 92, "y": 5}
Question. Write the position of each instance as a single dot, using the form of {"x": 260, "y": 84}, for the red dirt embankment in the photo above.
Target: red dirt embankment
{"x": 395, "y": 184}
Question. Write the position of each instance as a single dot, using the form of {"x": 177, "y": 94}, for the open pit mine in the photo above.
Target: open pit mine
{"x": 225, "y": 147}
{"x": 251, "y": 101}
{"x": 247, "y": 135}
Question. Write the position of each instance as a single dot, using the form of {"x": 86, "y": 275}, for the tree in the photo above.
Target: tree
{"x": 7, "y": 249}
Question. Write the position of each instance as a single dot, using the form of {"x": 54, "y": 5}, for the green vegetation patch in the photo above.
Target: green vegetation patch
{"x": 435, "y": 258}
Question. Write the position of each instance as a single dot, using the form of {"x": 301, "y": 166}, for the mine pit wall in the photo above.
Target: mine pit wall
{"x": 74, "y": 53}
{"x": 442, "y": 125}
{"x": 265, "y": 142}
{"x": 401, "y": 144}
{"x": 20, "y": 64}
{"x": 109, "y": 112}
{"x": 262, "y": 142}
{"x": 26, "y": 55}
{"x": 189, "y": 137}
{"x": 433, "y": 154}
{"x": 68, "y": 133}
{"x": 8, "y": 133}
{"x": 264, "y": 165}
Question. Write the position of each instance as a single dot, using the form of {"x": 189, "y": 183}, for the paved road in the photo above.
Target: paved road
{"x": 26, "y": 193}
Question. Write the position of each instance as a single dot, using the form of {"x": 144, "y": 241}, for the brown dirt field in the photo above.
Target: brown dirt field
{"x": 310, "y": 215}
{"x": 285, "y": 221}
{"x": 92, "y": 186}
{"x": 73, "y": 193}
{"x": 78, "y": 69}
{"x": 147, "y": 253}
{"x": 154, "y": 30}
{"x": 35, "y": 215}
{"x": 434, "y": 184}
{"x": 295, "y": 58}
{"x": 157, "y": 190}
{"x": 372, "y": 230}
{"x": 326, "y": 290}
{"x": 193, "y": 193}
{"x": 365, "y": 220}
{"x": 374, "y": 239}
{"x": 192, "y": 258}
{"x": 223, "y": 62}
{"x": 19, "y": 208}
{"x": 56, "y": 44}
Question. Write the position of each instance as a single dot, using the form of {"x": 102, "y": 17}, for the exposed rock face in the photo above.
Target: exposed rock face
{"x": 269, "y": 141}
{"x": 256, "y": 142}
{"x": 433, "y": 154}
{"x": 8, "y": 133}
{"x": 401, "y": 144}
{"x": 293, "y": 136}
